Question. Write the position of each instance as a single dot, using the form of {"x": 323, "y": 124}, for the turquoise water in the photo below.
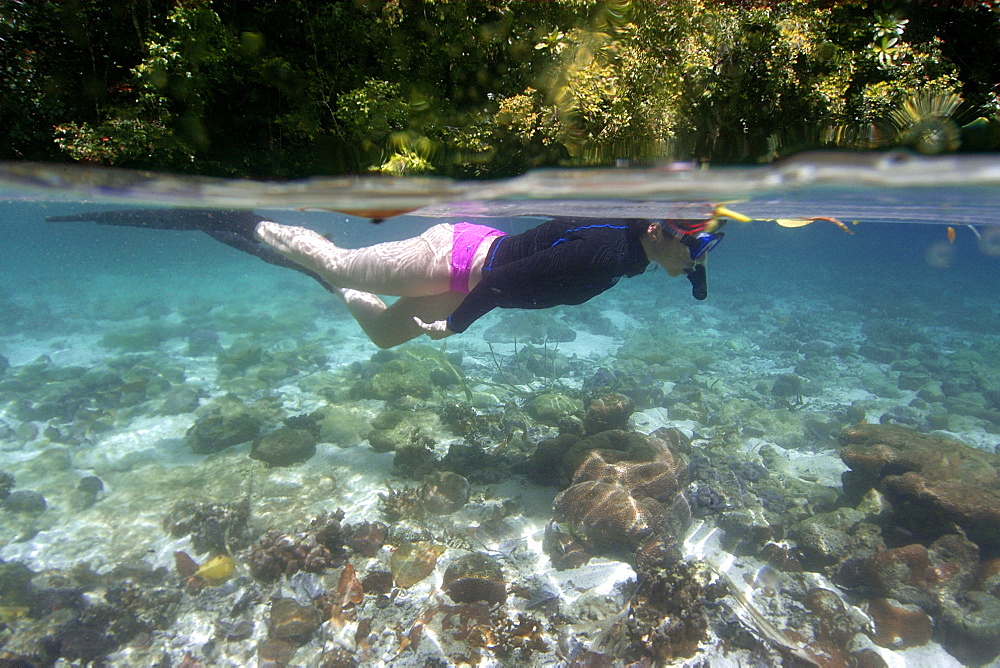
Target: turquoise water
{"x": 119, "y": 344}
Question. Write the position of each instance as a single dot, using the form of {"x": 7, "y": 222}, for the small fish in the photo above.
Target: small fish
{"x": 951, "y": 235}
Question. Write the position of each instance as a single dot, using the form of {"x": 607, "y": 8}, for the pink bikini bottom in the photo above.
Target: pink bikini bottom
{"x": 468, "y": 238}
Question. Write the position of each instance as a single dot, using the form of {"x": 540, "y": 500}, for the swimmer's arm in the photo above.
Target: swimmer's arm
{"x": 437, "y": 329}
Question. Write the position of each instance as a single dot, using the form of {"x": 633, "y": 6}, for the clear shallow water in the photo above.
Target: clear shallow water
{"x": 892, "y": 324}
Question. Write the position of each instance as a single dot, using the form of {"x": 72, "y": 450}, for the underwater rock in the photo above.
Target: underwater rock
{"x": 824, "y": 539}
{"x": 202, "y": 342}
{"x": 971, "y": 627}
{"x": 214, "y": 528}
{"x": 6, "y": 484}
{"x": 443, "y": 493}
{"x": 284, "y": 446}
{"x": 412, "y": 562}
{"x": 924, "y": 576}
{"x": 989, "y": 576}
{"x": 377, "y": 582}
{"x": 787, "y": 385}
{"x": 930, "y": 481}
{"x": 632, "y": 378}
{"x": 398, "y": 378}
{"x": 899, "y": 625}
{"x": 293, "y": 621}
{"x": 832, "y": 625}
{"x": 529, "y": 328}
{"x": 475, "y": 577}
{"x": 367, "y": 538}
{"x": 240, "y": 356}
{"x": 25, "y": 501}
{"x": 275, "y": 652}
{"x": 611, "y": 411}
{"x": 142, "y": 336}
{"x": 396, "y": 429}
{"x": 552, "y": 408}
{"x": 86, "y": 492}
{"x": 342, "y": 425}
{"x": 4, "y": 365}
{"x": 222, "y": 423}
{"x": 179, "y": 400}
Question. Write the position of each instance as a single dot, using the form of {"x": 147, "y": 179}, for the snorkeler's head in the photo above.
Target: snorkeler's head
{"x": 695, "y": 237}
{"x": 693, "y": 234}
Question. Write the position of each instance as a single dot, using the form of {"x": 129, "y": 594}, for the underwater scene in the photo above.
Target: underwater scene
{"x": 204, "y": 461}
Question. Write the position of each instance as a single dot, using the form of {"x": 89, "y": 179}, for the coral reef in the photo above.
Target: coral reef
{"x": 529, "y": 327}
{"x": 315, "y": 549}
{"x": 553, "y": 408}
{"x": 668, "y": 614}
{"x": 626, "y": 494}
{"x": 284, "y": 446}
{"x": 607, "y": 412}
{"x": 899, "y": 625}
{"x": 931, "y": 482}
{"x": 25, "y": 501}
{"x": 475, "y": 577}
{"x": 214, "y": 528}
{"x": 222, "y": 423}
{"x": 82, "y": 616}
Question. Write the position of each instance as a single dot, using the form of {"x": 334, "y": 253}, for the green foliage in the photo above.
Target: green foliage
{"x": 486, "y": 89}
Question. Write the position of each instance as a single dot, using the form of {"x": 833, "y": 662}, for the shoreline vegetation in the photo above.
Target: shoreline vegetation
{"x": 488, "y": 89}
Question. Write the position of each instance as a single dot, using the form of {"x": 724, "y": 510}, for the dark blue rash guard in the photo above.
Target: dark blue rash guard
{"x": 562, "y": 261}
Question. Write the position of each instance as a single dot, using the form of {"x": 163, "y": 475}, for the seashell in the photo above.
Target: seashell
{"x": 444, "y": 492}
{"x": 412, "y": 562}
{"x": 475, "y": 577}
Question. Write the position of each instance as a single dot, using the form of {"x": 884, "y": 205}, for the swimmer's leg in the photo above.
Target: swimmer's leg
{"x": 233, "y": 228}
{"x": 417, "y": 267}
{"x": 237, "y": 222}
{"x": 389, "y": 326}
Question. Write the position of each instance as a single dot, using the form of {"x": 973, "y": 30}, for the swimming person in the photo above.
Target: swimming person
{"x": 453, "y": 274}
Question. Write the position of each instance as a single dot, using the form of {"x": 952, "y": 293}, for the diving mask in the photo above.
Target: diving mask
{"x": 694, "y": 237}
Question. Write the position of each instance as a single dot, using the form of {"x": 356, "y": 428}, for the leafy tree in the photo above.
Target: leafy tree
{"x": 486, "y": 88}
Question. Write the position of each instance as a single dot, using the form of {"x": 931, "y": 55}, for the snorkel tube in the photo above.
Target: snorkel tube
{"x": 699, "y": 281}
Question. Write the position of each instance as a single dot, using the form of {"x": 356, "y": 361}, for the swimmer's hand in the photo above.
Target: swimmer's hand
{"x": 436, "y": 330}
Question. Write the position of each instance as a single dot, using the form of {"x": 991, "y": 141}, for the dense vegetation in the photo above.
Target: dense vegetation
{"x": 488, "y": 88}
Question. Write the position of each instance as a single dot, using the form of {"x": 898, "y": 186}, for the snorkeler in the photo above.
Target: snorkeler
{"x": 453, "y": 274}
